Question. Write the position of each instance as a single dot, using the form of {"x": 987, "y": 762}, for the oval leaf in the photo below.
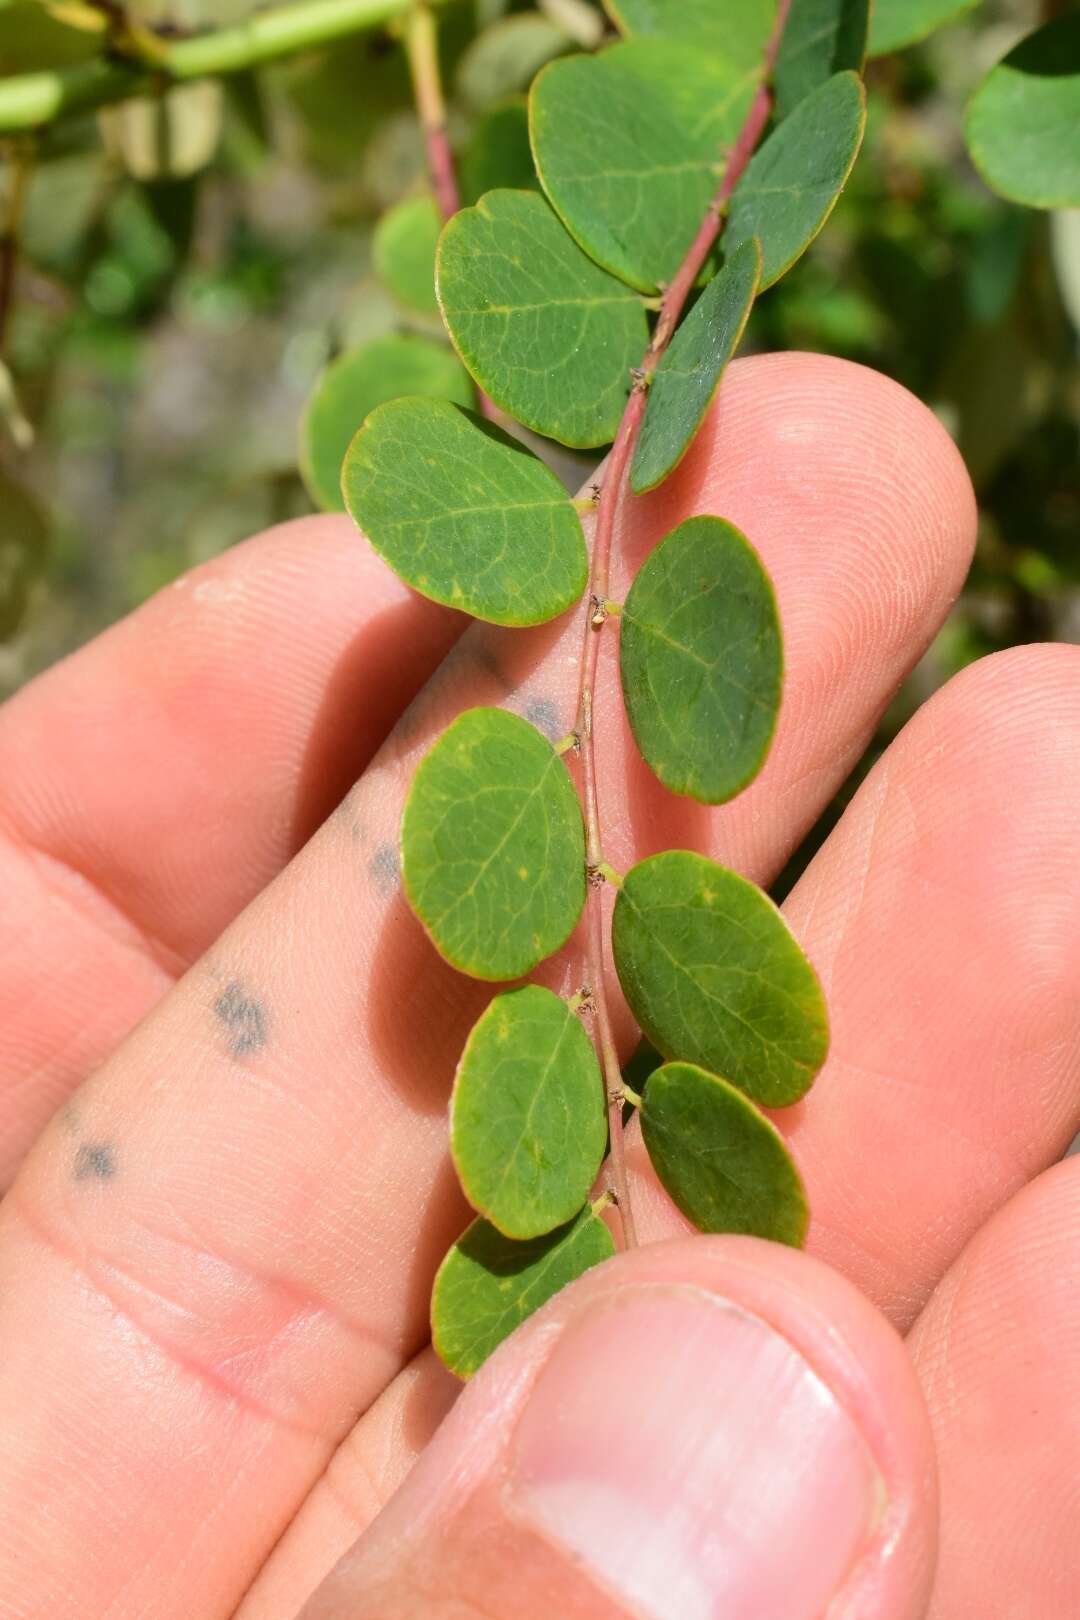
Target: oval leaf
{"x": 690, "y": 369}
{"x": 701, "y": 660}
{"x": 528, "y": 1122}
{"x": 403, "y": 251}
{"x": 493, "y": 846}
{"x": 721, "y": 1161}
{"x": 739, "y": 29}
{"x": 821, "y": 37}
{"x": 792, "y": 183}
{"x": 714, "y": 975}
{"x": 488, "y": 1284}
{"x": 352, "y": 385}
{"x": 547, "y": 333}
{"x": 628, "y": 146}
{"x": 896, "y": 23}
{"x": 464, "y": 513}
{"x": 1023, "y": 124}
{"x": 498, "y": 154}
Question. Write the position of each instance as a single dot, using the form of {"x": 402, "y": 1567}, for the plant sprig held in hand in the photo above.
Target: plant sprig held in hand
{"x": 561, "y": 310}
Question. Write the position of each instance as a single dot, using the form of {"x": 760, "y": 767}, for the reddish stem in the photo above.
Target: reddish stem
{"x": 421, "y": 46}
{"x": 612, "y": 497}
{"x": 441, "y": 167}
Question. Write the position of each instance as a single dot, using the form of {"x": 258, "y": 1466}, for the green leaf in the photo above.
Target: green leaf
{"x": 701, "y": 660}
{"x": 464, "y": 513}
{"x": 493, "y": 846}
{"x": 713, "y": 975}
{"x": 629, "y": 145}
{"x": 546, "y": 333}
{"x": 896, "y": 23}
{"x": 822, "y": 37}
{"x": 720, "y": 1160}
{"x": 738, "y": 29}
{"x": 1023, "y": 124}
{"x": 503, "y": 58}
{"x": 24, "y": 535}
{"x": 498, "y": 154}
{"x": 488, "y": 1284}
{"x": 528, "y": 1122}
{"x": 689, "y": 372}
{"x": 793, "y": 182}
{"x": 403, "y": 250}
{"x": 352, "y": 385}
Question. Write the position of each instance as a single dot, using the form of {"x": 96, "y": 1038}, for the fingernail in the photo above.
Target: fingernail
{"x": 689, "y": 1457}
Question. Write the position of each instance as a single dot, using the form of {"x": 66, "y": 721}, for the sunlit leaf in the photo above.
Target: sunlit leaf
{"x": 24, "y": 534}
{"x": 689, "y": 372}
{"x": 1023, "y": 124}
{"x": 465, "y": 514}
{"x": 714, "y": 976}
{"x": 488, "y": 1284}
{"x": 403, "y": 251}
{"x": 503, "y": 58}
{"x": 629, "y": 146}
{"x": 721, "y": 1161}
{"x": 739, "y": 29}
{"x": 74, "y": 14}
{"x": 546, "y": 333}
{"x": 896, "y": 23}
{"x": 793, "y": 182}
{"x": 701, "y": 660}
{"x": 821, "y": 37}
{"x": 493, "y": 846}
{"x": 528, "y": 1125}
{"x": 352, "y": 385}
{"x": 498, "y": 155}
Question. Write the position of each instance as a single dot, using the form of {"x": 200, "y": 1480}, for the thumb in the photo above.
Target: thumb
{"x": 710, "y": 1429}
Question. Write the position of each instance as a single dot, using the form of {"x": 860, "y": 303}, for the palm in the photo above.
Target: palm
{"x": 219, "y": 1256}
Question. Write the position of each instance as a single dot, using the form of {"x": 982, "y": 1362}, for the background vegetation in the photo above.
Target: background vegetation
{"x": 167, "y": 328}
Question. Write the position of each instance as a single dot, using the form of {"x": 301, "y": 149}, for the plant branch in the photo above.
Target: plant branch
{"x": 421, "y": 47}
{"x": 30, "y": 100}
{"x": 612, "y": 499}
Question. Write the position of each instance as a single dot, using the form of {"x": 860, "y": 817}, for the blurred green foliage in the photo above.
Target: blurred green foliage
{"x": 166, "y": 332}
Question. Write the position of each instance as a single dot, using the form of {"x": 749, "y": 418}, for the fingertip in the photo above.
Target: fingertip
{"x": 704, "y": 1427}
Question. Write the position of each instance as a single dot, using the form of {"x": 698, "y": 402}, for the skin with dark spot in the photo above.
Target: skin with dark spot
{"x": 95, "y": 1161}
{"x": 244, "y": 1017}
{"x": 384, "y": 868}
{"x": 544, "y": 715}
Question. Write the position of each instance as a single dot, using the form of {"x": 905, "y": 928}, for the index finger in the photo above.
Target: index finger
{"x": 155, "y": 781}
{"x": 225, "y": 1250}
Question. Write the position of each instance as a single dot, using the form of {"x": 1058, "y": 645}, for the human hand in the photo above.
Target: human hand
{"x": 215, "y": 1263}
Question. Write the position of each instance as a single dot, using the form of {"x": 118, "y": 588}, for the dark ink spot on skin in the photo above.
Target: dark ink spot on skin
{"x": 384, "y": 868}
{"x": 544, "y": 715}
{"x": 244, "y": 1017}
{"x": 486, "y": 661}
{"x": 95, "y": 1161}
